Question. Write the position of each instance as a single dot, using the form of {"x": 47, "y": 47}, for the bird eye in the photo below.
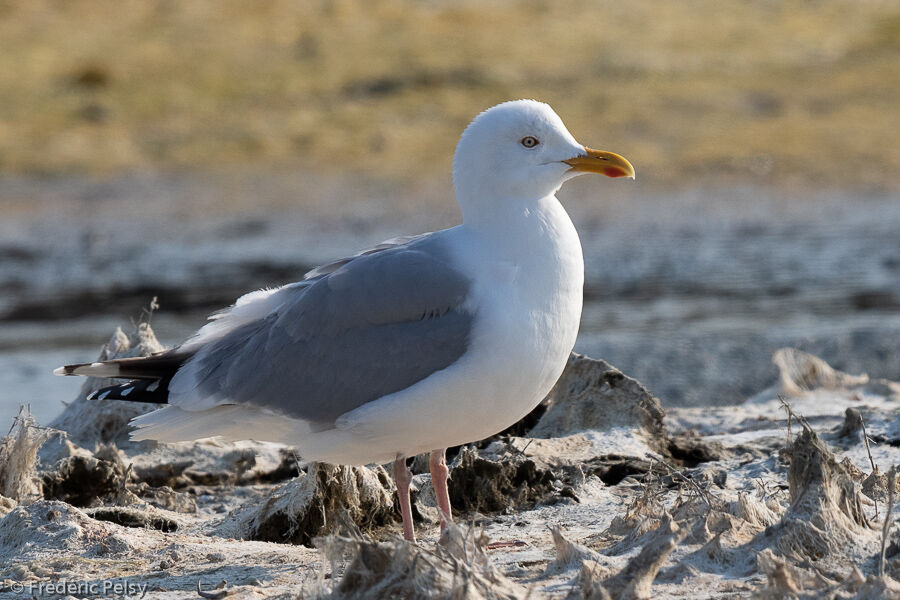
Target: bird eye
{"x": 529, "y": 141}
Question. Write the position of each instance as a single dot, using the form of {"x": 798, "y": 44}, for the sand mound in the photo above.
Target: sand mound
{"x": 479, "y": 484}
{"x": 84, "y": 481}
{"x": 308, "y": 507}
{"x": 636, "y": 579}
{"x": 49, "y": 527}
{"x": 826, "y": 517}
{"x": 213, "y": 462}
{"x": 569, "y": 555}
{"x": 593, "y": 395}
{"x": 787, "y": 580}
{"x": 800, "y": 372}
{"x": 457, "y": 568}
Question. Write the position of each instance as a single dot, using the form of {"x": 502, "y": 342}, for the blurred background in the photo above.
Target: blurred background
{"x": 193, "y": 151}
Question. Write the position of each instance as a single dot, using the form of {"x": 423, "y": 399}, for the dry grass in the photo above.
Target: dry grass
{"x": 780, "y": 92}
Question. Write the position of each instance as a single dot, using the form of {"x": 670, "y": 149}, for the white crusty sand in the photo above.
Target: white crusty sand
{"x": 701, "y": 502}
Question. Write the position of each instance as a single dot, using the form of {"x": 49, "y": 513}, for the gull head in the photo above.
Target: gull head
{"x": 522, "y": 150}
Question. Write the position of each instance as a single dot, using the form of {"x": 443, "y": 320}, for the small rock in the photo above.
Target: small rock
{"x": 83, "y": 481}
{"x": 481, "y": 485}
{"x": 689, "y": 449}
{"x": 6, "y": 505}
{"x": 853, "y": 426}
{"x": 166, "y": 498}
{"x": 166, "y": 563}
{"x": 20, "y": 572}
{"x": 168, "y": 474}
{"x": 132, "y": 517}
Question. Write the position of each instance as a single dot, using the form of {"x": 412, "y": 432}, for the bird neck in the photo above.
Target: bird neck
{"x": 499, "y": 214}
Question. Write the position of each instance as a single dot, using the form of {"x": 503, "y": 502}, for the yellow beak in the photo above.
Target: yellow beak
{"x": 605, "y": 163}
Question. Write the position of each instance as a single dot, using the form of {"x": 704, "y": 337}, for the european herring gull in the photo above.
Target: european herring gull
{"x": 412, "y": 346}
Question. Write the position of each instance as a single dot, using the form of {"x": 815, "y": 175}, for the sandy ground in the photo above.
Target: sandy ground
{"x": 602, "y": 492}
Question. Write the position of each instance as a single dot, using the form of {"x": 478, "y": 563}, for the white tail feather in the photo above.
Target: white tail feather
{"x": 231, "y": 422}
{"x": 95, "y": 369}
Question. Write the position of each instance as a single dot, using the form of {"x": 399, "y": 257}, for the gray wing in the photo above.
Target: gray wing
{"x": 373, "y": 326}
{"x": 385, "y": 245}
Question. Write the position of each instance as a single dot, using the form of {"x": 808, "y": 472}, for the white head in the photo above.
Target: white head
{"x": 520, "y": 151}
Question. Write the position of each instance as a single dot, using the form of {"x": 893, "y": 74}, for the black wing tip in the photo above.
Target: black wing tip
{"x": 150, "y": 391}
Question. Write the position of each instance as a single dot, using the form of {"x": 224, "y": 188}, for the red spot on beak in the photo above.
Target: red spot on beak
{"x": 614, "y": 172}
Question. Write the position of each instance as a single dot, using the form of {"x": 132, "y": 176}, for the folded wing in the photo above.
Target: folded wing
{"x": 375, "y": 325}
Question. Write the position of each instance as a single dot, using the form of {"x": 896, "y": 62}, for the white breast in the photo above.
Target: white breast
{"x": 527, "y": 297}
{"x": 530, "y": 314}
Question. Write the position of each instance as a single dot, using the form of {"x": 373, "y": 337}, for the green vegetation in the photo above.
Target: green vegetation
{"x": 701, "y": 90}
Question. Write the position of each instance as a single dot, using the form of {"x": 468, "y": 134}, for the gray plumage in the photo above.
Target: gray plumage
{"x": 356, "y": 331}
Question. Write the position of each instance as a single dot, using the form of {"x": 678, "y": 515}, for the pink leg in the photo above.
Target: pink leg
{"x": 403, "y": 476}
{"x": 439, "y": 473}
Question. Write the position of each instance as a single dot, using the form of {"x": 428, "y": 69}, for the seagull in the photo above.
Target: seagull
{"x": 415, "y": 345}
